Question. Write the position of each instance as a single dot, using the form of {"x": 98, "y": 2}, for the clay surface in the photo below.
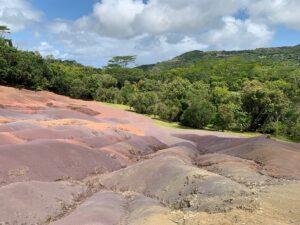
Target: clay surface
{"x": 71, "y": 162}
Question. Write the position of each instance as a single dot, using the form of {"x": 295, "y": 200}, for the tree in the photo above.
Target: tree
{"x": 225, "y": 116}
{"x": 168, "y": 110}
{"x": 127, "y": 92}
{"x": 122, "y": 61}
{"x": 230, "y": 116}
{"x": 175, "y": 95}
{"x": 295, "y": 131}
{"x": 3, "y": 31}
{"x": 199, "y": 90}
{"x": 108, "y": 81}
{"x": 221, "y": 95}
{"x": 91, "y": 84}
{"x": 144, "y": 102}
{"x": 111, "y": 95}
{"x": 77, "y": 88}
{"x": 198, "y": 115}
{"x": 263, "y": 105}
{"x": 133, "y": 75}
{"x": 176, "y": 89}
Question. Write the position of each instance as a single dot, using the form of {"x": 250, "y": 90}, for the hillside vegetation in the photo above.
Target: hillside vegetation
{"x": 257, "y": 90}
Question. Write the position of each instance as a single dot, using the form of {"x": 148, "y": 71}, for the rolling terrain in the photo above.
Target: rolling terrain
{"x": 190, "y": 58}
{"x": 74, "y": 162}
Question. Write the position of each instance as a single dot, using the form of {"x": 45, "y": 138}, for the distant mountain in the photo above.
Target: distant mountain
{"x": 190, "y": 58}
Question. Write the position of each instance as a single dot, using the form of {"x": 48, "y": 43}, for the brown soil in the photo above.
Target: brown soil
{"x": 71, "y": 162}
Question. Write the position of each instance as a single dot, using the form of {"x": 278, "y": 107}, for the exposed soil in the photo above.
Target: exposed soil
{"x": 71, "y": 162}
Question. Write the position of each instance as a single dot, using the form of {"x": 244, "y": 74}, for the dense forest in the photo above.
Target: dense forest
{"x": 255, "y": 90}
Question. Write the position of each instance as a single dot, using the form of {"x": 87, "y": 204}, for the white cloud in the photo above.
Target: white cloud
{"x": 286, "y": 12}
{"x": 127, "y": 18}
{"x": 157, "y": 30}
{"x": 151, "y": 50}
{"x": 116, "y": 18}
{"x": 46, "y": 49}
{"x": 238, "y": 34}
{"x": 160, "y": 29}
{"x": 17, "y": 14}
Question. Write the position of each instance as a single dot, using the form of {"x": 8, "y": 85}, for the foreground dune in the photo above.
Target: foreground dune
{"x": 72, "y": 162}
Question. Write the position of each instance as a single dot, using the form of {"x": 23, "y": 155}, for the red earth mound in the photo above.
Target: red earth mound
{"x": 277, "y": 159}
{"x": 50, "y": 160}
{"x": 120, "y": 168}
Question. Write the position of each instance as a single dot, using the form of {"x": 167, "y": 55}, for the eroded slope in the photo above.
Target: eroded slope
{"x": 70, "y": 162}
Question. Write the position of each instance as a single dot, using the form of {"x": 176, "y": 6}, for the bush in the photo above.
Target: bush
{"x": 198, "y": 115}
{"x": 127, "y": 92}
{"x": 110, "y": 95}
{"x": 263, "y": 105}
{"x": 168, "y": 111}
{"x": 278, "y": 128}
{"x": 77, "y": 89}
{"x": 144, "y": 102}
{"x": 295, "y": 132}
{"x": 225, "y": 117}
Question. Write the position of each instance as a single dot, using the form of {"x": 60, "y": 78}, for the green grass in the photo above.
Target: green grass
{"x": 283, "y": 138}
{"x": 163, "y": 123}
{"x": 168, "y": 124}
{"x": 157, "y": 121}
{"x": 177, "y": 125}
{"x": 244, "y": 134}
{"x": 116, "y": 106}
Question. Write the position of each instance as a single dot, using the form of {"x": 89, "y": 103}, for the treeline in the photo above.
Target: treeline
{"x": 221, "y": 91}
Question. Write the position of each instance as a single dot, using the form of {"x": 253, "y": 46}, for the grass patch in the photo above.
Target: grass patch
{"x": 116, "y": 106}
{"x": 163, "y": 123}
{"x": 177, "y": 125}
{"x": 283, "y": 138}
{"x": 244, "y": 134}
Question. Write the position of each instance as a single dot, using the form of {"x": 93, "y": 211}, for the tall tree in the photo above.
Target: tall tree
{"x": 3, "y": 31}
{"x": 122, "y": 61}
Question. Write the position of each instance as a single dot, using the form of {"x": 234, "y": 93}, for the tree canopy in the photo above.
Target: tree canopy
{"x": 122, "y": 61}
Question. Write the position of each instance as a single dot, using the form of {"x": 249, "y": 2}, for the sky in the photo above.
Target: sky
{"x": 93, "y": 31}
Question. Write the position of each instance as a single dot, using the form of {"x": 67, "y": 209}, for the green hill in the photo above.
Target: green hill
{"x": 190, "y": 58}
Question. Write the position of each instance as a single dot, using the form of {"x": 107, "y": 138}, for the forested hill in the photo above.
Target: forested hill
{"x": 241, "y": 91}
{"x": 190, "y": 58}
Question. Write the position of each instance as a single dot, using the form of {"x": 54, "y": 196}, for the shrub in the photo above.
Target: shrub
{"x": 198, "y": 115}
{"x": 144, "y": 102}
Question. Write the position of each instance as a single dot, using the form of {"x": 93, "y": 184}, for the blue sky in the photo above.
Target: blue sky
{"x": 286, "y": 37}
{"x": 66, "y": 9}
{"x": 92, "y": 31}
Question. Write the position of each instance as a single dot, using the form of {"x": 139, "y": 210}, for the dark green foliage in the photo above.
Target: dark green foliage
{"x": 198, "y": 115}
{"x": 144, "y": 103}
{"x": 295, "y": 131}
{"x": 127, "y": 92}
{"x": 169, "y": 110}
{"x": 108, "y": 81}
{"x": 111, "y": 95}
{"x": 264, "y": 105}
{"x": 23, "y": 69}
{"x": 4, "y": 30}
{"x": 125, "y": 74}
{"x": 121, "y": 61}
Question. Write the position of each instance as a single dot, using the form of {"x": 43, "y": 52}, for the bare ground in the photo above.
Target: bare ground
{"x": 71, "y": 162}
